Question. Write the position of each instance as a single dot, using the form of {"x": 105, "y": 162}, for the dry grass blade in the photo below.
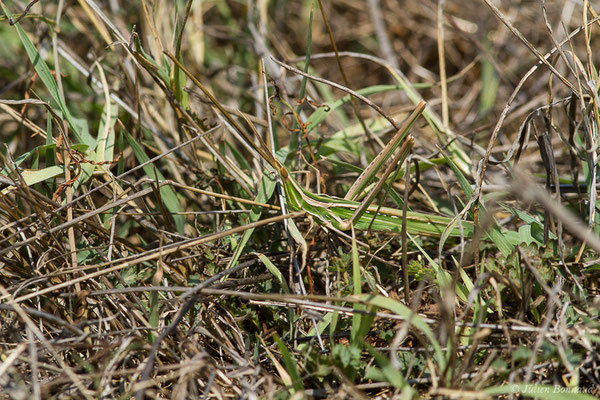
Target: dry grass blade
{"x": 153, "y": 255}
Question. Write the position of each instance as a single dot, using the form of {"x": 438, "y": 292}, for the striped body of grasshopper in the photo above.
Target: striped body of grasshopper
{"x": 339, "y": 213}
{"x": 344, "y": 213}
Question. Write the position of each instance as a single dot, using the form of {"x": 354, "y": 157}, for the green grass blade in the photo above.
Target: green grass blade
{"x": 490, "y": 81}
{"x": 391, "y": 374}
{"x": 45, "y": 75}
{"x": 168, "y": 196}
{"x": 321, "y": 113}
{"x": 290, "y": 364}
{"x": 274, "y": 270}
{"x": 106, "y": 133}
{"x": 36, "y": 176}
{"x": 405, "y": 312}
{"x": 265, "y": 192}
{"x": 360, "y": 323}
{"x": 494, "y": 232}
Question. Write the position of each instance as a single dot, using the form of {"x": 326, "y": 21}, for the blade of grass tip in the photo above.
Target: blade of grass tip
{"x": 290, "y": 228}
{"x": 178, "y": 78}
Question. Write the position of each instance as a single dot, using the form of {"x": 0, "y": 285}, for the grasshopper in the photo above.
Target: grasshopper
{"x": 344, "y": 213}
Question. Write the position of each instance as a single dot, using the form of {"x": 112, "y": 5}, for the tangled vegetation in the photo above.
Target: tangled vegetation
{"x": 299, "y": 199}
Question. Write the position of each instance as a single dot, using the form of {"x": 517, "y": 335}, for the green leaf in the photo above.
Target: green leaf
{"x": 361, "y": 323}
{"x": 489, "y": 80}
{"x": 274, "y": 270}
{"x": 40, "y": 175}
{"x": 290, "y": 365}
{"x": 391, "y": 374}
{"x": 106, "y": 133}
{"x": 168, "y": 196}
{"x": 265, "y": 191}
{"x": 465, "y": 185}
{"x": 349, "y": 356}
{"x": 45, "y": 75}
{"x": 406, "y": 313}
